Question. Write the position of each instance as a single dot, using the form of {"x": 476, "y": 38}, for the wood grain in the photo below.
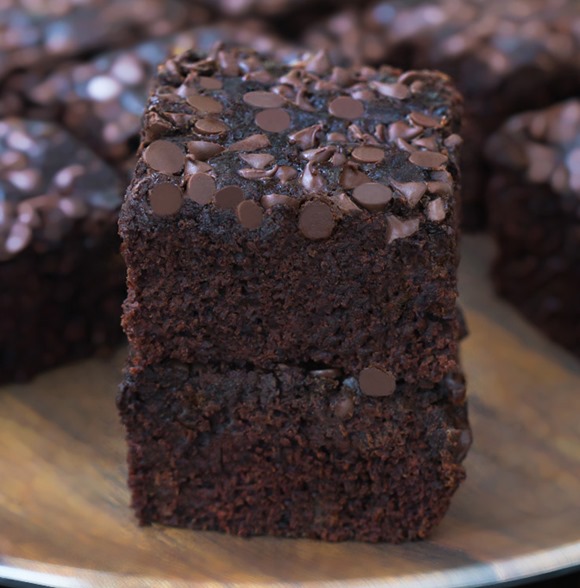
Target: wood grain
{"x": 65, "y": 521}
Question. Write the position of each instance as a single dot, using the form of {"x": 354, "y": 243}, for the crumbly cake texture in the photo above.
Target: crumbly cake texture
{"x": 317, "y": 206}
{"x": 291, "y": 240}
{"x": 62, "y": 276}
{"x": 534, "y": 202}
{"x": 292, "y": 453}
{"x": 506, "y": 57}
{"x": 101, "y": 101}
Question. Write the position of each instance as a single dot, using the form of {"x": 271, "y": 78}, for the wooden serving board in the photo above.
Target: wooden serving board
{"x": 65, "y": 520}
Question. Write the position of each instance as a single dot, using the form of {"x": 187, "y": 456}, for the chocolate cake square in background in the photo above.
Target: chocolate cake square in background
{"x": 506, "y": 57}
{"x": 61, "y": 274}
{"x": 101, "y": 101}
{"x": 291, "y": 240}
{"x": 38, "y": 33}
{"x": 534, "y": 203}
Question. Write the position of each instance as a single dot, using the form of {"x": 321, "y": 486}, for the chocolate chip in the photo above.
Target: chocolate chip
{"x": 398, "y": 91}
{"x": 412, "y": 192}
{"x": 258, "y": 160}
{"x": 399, "y": 229}
{"x": 249, "y": 173}
{"x": 204, "y": 150}
{"x": 19, "y": 237}
{"x": 428, "y": 159}
{"x": 316, "y": 220}
{"x": 377, "y": 382}
{"x": 351, "y": 176}
{"x": 331, "y": 374}
{"x": 264, "y": 99}
{"x": 312, "y": 180}
{"x": 165, "y": 199}
{"x": 193, "y": 166}
{"x": 344, "y": 203}
{"x": 229, "y": 197}
{"x": 210, "y": 83}
{"x": 452, "y": 141}
{"x": 210, "y": 126}
{"x": 200, "y": 188}
{"x": 306, "y": 138}
{"x": 424, "y": 120}
{"x": 165, "y": 157}
{"x": 274, "y": 120}
{"x": 249, "y": 214}
{"x": 436, "y": 210}
{"x": 429, "y": 143}
{"x": 401, "y": 130}
{"x": 251, "y": 143}
{"x": 271, "y": 200}
{"x": 343, "y": 407}
{"x": 372, "y": 196}
{"x": 205, "y": 104}
{"x": 345, "y": 107}
{"x": 368, "y": 154}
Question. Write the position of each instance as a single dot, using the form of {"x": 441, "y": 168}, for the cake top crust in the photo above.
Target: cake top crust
{"x": 331, "y": 141}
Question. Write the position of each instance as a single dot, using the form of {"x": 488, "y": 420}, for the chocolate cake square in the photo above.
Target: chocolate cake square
{"x": 290, "y": 234}
{"x": 534, "y": 203}
{"x": 303, "y": 214}
{"x": 61, "y": 274}
{"x": 291, "y": 452}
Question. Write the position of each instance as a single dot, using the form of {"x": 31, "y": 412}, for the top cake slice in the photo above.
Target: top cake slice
{"x": 296, "y": 214}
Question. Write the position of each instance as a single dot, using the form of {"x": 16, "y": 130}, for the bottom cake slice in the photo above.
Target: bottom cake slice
{"x": 292, "y": 452}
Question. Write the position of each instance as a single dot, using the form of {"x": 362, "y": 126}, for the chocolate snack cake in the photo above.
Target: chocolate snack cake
{"x": 290, "y": 234}
{"x": 62, "y": 277}
{"x": 534, "y": 203}
{"x": 506, "y": 57}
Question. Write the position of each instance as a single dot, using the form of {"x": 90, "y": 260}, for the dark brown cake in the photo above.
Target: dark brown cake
{"x": 506, "y": 57}
{"x": 306, "y": 157}
{"x": 291, "y": 240}
{"x": 292, "y": 452}
{"x": 62, "y": 277}
{"x": 534, "y": 203}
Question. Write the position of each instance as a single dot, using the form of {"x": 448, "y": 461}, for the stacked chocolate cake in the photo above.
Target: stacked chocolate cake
{"x": 291, "y": 241}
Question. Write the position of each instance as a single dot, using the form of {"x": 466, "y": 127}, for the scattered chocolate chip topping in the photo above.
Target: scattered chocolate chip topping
{"x": 316, "y": 220}
{"x": 372, "y": 196}
{"x": 229, "y": 197}
{"x": 204, "y": 150}
{"x": 200, "y": 188}
{"x": 428, "y": 159}
{"x": 249, "y": 214}
{"x": 165, "y": 157}
{"x": 368, "y": 154}
{"x": 271, "y": 200}
{"x": 333, "y": 139}
{"x": 165, "y": 199}
{"x": 345, "y": 107}
{"x": 275, "y": 120}
{"x": 376, "y": 382}
{"x": 399, "y": 229}
{"x": 264, "y": 100}
{"x": 544, "y": 144}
